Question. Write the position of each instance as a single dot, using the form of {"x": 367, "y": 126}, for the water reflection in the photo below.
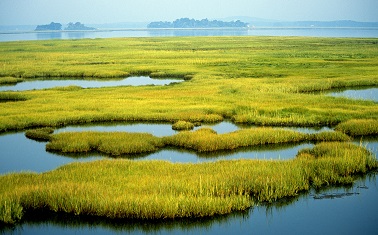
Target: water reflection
{"x": 49, "y": 35}
{"x": 32, "y": 156}
{"x": 165, "y": 129}
{"x": 21, "y": 154}
{"x": 156, "y": 129}
{"x": 258, "y": 31}
{"x": 130, "y": 81}
{"x": 197, "y": 32}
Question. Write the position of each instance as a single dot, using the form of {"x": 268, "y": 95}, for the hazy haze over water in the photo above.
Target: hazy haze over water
{"x": 26, "y": 12}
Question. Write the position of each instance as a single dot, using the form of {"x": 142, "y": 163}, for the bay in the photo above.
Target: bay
{"x": 357, "y": 32}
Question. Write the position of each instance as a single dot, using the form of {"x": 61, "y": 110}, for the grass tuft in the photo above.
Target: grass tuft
{"x": 182, "y": 125}
{"x": 41, "y": 134}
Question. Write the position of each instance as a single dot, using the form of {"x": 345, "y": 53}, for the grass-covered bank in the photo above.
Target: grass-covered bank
{"x": 257, "y": 80}
{"x": 161, "y": 190}
{"x": 203, "y": 140}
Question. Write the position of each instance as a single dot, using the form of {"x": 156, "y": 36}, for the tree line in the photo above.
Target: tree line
{"x": 192, "y": 23}
{"x": 58, "y": 26}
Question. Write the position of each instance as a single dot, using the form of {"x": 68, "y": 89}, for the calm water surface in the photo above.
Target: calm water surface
{"x": 130, "y": 81}
{"x": 360, "y": 94}
{"x": 19, "y": 153}
{"x": 311, "y": 32}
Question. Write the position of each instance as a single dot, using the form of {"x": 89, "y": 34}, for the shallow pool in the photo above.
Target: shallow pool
{"x": 129, "y": 81}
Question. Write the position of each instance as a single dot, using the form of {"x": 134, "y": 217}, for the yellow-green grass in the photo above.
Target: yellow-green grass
{"x": 11, "y": 97}
{"x": 182, "y": 125}
{"x": 202, "y": 140}
{"x": 10, "y": 80}
{"x": 40, "y": 134}
{"x": 111, "y": 143}
{"x": 163, "y": 190}
{"x": 359, "y": 127}
{"x": 257, "y": 80}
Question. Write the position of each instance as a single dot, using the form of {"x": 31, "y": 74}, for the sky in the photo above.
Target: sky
{"x": 33, "y": 12}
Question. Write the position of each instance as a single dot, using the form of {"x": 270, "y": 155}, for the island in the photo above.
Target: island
{"x": 51, "y": 26}
{"x": 78, "y": 26}
{"x": 192, "y": 23}
{"x": 58, "y": 26}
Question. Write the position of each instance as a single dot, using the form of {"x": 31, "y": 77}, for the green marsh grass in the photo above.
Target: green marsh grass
{"x": 265, "y": 81}
{"x": 202, "y": 140}
{"x": 359, "y": 127}
{"x": 11, "y": 97}
{"x": 40, "y": 134}
{"x": 182, "y": 125}
{"x": 10, "y": 80}
{"x": 161, "y": 190}
{"x": 111, "y": 143}
{"x": 257, "y": 80}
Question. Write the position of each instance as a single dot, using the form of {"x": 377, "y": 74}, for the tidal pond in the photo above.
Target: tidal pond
{"x": 165, "y": 129}
{"x": 362, "y": 93}
{"x": 46, "y": 83}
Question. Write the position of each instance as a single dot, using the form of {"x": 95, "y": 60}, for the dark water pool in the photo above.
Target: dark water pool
{"x": 130, "y": 81}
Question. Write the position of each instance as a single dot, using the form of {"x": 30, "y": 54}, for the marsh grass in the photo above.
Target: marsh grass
{"x": 255, "y": 80}
{"x": 110, "y": 143}
{"x": 10, "y": 80}
{"x": 12, "y": 96}
{"x": 161, "y": 190}
{"x": 182, "y": 125}
{"x": 40, "y": 134}
{"x": 359, "y": 127}
{"x": 201, "y": 140}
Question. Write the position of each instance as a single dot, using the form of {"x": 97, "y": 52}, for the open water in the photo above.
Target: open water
{"x": 120, "y": 33}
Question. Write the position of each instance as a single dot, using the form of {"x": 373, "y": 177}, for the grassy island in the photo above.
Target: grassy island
{"x": 263, "y": 81}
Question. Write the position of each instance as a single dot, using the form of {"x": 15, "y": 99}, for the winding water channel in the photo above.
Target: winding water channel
{"x": 336, "y": 210}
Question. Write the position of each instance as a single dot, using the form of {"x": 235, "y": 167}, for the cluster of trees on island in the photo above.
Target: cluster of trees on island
{"x": 192, "y": 23}
{"x": 58, "y": 26}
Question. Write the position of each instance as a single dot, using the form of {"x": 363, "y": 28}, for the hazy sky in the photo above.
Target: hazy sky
{"x": 110, "y": 11}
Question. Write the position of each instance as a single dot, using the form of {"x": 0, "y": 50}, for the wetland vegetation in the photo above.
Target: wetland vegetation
{"x": 266, "y": 81}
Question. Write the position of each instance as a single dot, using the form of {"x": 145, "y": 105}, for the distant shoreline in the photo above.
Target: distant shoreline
{"x": 178, "y": 29}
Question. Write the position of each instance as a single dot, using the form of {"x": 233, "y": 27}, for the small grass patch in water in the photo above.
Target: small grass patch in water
{"x": 182, "y": 125}
{"x": 41, "y": 134}
{"x": 207, "y": 140}
{"x": 110, "y": 143}
{"x": 359, "y": 127}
